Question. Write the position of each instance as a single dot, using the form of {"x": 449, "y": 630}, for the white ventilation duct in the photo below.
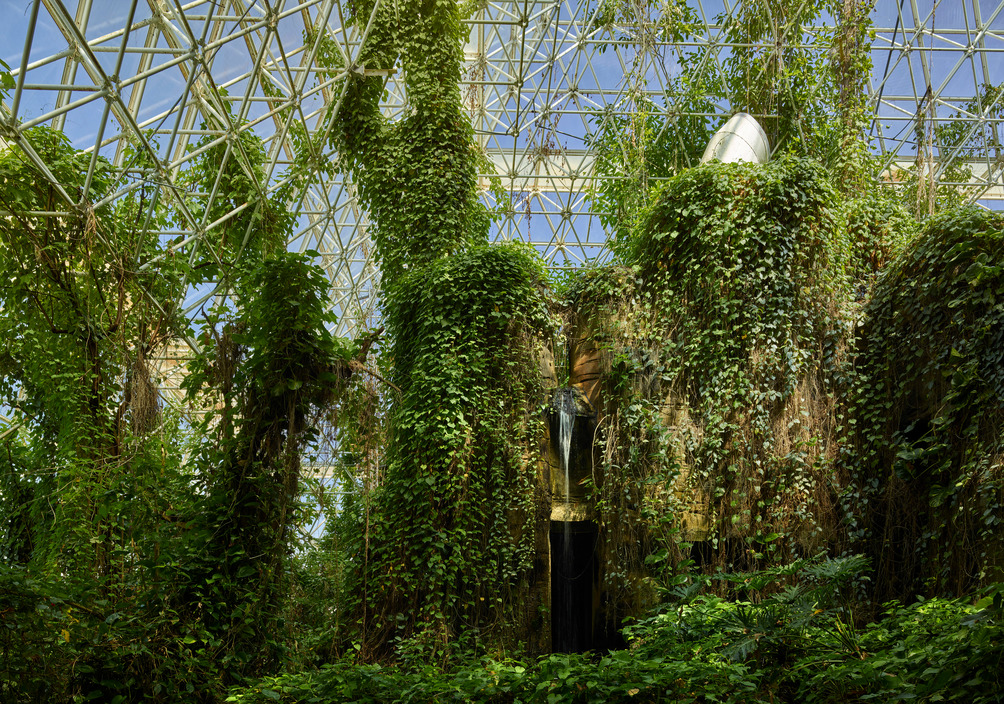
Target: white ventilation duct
{"x": 740, "y": 139}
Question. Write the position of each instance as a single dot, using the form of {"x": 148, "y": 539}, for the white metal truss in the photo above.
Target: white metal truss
{"x": 541, "y": 75}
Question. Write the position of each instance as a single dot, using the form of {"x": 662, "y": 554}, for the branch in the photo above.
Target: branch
{"x": 357, "y": 366}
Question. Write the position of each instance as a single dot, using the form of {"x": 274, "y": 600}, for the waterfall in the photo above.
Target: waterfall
{"x": 566, "y": 423}
{"x": 572, "y": 535}
{"x": 566, "y": 420}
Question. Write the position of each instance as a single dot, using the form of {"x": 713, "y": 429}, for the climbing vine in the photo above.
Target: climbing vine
{"x": 225, "y": 186}
{"x": 851, "y": 66}
{"x": 456, "y": 535}
{"x": 804, "y": 85}
{"x": 142, "y": 560}
{"x": 268, "y": 368}
{"x": 928, "y": 188}
{"x": 416, "y": 177}
{"x": 743, "y": 420}
{"x": 90, "y": 466}
{"x": 79, "y": 315}
{"x": 925, "y": 451}
{"x": 721, "y": 334}
{"x": 453, "y": 541}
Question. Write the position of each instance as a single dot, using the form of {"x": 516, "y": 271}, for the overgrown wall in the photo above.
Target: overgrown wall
{"x": 925, "y": 456}
{"x": 717, "y": 337}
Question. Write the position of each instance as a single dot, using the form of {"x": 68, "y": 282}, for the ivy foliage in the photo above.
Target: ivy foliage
{"x": 91, "y": 467}
{"x": 6, "y": 80}
{"x": 720, "y": 335}
{"x": 450, "y": 544}
{"x": 143, "y": 562}
{"x": 851, "y": 67}
{"x": 270, "y": 369}
{"x": 957, "y": 142}
{"x": 225, "y": 189}
{"x": 927, "y": 407}
{"x": 637, "y": 151}
{"x": 456, "y": 528}
{"x": 147, "y": 557}
{"x": 879, "y": 228}
{"x": 643, "y": 142}
{"x": 416, "y": 177}
{"x": 79, "y": 314}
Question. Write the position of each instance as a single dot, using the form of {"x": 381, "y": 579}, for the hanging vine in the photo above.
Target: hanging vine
{"x": 130, "y": 583}
{"x": 79, "y": 314}
{"x": 269, "y": 369}
{"x": 925, "y": 454}
{"x": 720, "y": 335}
{"x": 851, "y": 67}
{"x": 452, "y": 542}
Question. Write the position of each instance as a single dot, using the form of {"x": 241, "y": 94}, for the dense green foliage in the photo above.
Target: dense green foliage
{"x": 272, "y": 368}
{"x": 416, "y": 176}
{"x": 241, "y": 220}
{"x": 784, "y": 371}
{"x": 777, "y": 71}
{"x": 800, "y": 645}
{"x": 454, "y": 540}
{"x": 78, "y": 316}
{"x": 448, "y": 552}
{"x": 851, "y": 67}
{"x": 128, "y": 539}
{"x": 721, "y": 335}
{"x": 638, "y": 148}
{"x": 927, "y": 411}
{"x": 804, "y": 85}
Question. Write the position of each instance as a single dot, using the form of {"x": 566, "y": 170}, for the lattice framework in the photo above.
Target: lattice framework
{"x": 541, "y": 75}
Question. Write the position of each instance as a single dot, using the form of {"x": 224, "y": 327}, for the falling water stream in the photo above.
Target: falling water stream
{"x": 565, "y": 402}
{"x": 566, "y": 420}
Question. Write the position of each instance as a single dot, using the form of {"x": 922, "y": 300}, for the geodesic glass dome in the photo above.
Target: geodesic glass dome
{"x": 169, "y": 79}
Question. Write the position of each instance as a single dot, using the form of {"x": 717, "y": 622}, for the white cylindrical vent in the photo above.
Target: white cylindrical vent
{"x": 740, "y": 139}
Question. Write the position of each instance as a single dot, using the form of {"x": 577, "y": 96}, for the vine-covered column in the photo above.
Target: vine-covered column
{"x": 451, "y": 545}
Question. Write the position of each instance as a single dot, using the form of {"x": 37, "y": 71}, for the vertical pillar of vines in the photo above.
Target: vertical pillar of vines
{"x": 851, "y": 68}
{"x": 451, "y": 537}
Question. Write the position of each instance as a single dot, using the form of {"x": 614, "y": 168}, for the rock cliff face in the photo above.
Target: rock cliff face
{"x": 700, "y": 360}
{"x": 739, "y": 403}
{"x": 736, "y": 405}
